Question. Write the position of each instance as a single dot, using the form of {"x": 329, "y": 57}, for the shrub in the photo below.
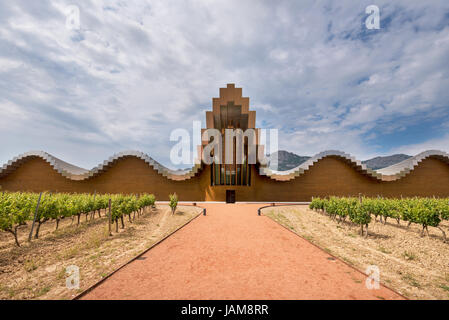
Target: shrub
{"x": 173, "y": 202}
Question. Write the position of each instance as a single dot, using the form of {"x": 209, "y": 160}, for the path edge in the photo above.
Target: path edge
{"x": 330, "y": 254}
{"x": 96, "y": 284}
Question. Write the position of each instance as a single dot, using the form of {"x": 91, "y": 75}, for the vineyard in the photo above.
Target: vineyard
{"x": 19, "y": 209}
{"x": 422, "y": 211}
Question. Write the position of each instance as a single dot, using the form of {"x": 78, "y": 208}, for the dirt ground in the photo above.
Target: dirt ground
{"x": 37, "y": 270}
{"x": 415, "y": 266}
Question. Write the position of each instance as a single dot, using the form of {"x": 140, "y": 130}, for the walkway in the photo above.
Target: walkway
{"x": 232, "y": 253}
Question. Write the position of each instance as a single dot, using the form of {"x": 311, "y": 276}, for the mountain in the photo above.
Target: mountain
{"x": 289, "y": 160}
{"x": 383, "y": 162}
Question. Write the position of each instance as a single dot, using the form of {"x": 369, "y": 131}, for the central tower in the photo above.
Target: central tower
{"x": 231, "y": 111}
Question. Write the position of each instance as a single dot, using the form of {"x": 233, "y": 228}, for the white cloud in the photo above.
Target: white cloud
{"x": 9, "y": 64}
{"x": 439, "y": 143}
{"x": 137, "y": 70}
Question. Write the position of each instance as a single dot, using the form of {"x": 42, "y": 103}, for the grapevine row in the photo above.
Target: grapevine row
{"x": 18, "y": 209}
{"x": 423, "y": 211}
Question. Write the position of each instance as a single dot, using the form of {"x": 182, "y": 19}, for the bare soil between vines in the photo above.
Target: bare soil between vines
{"x": 37, "y": 270}
{"x": 415, "y": 266}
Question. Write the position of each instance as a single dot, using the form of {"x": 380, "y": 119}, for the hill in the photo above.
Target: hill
{"x": 289, "y": 160}
{"x": 383, "y": 162}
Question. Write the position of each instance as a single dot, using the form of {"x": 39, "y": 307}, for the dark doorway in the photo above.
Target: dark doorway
{"x": 230, "y": 196}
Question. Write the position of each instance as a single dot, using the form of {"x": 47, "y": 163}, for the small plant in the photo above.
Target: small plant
{"x": 411, "y": 281}
{"x": 61, "y": 274}
{"x": 30, "y": 266}
{"x": 42, "y": 291}
{"x": 383, "y": 250}
{"x": 173, "y": 202}
{"x": 408, "y": 255}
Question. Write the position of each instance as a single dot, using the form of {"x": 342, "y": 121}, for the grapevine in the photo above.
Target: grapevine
{"x": 18, "y": 208}
{"x": 426, "y": 212}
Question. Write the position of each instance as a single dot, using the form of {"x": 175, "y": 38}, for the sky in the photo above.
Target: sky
{"x": 134, "y": 71}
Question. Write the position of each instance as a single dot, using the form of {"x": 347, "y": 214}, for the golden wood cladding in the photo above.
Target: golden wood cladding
{"x": 329, "y": 176}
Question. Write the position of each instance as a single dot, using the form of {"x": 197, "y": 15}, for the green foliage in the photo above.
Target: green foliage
{"x": 17, "y": 208}
{"x": 423, "y": 211}
{"x": 317, "y": 204}
{"x": 146, "y": 200}
{"x": 173, "y": 203}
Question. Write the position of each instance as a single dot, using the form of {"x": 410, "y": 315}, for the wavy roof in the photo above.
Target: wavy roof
{"x": 76, "y": 173}
{"x": 391, "y": 173}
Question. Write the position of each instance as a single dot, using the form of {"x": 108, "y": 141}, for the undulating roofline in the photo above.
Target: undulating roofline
{"x": 391, "y": 173}
{"x": 76, "y": 173}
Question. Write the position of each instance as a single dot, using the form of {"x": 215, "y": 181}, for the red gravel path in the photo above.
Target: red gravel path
{"x": 234, "y": 254}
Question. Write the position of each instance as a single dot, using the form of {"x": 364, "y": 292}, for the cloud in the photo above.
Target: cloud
{"x": 137, "y": 70}
{"x": 439, "y": 143}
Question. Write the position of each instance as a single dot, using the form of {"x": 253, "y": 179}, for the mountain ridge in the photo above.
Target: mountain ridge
{"x": 289, "y": 160}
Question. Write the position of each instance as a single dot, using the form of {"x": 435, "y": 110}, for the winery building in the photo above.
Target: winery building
{"x": 327, "y": 173}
